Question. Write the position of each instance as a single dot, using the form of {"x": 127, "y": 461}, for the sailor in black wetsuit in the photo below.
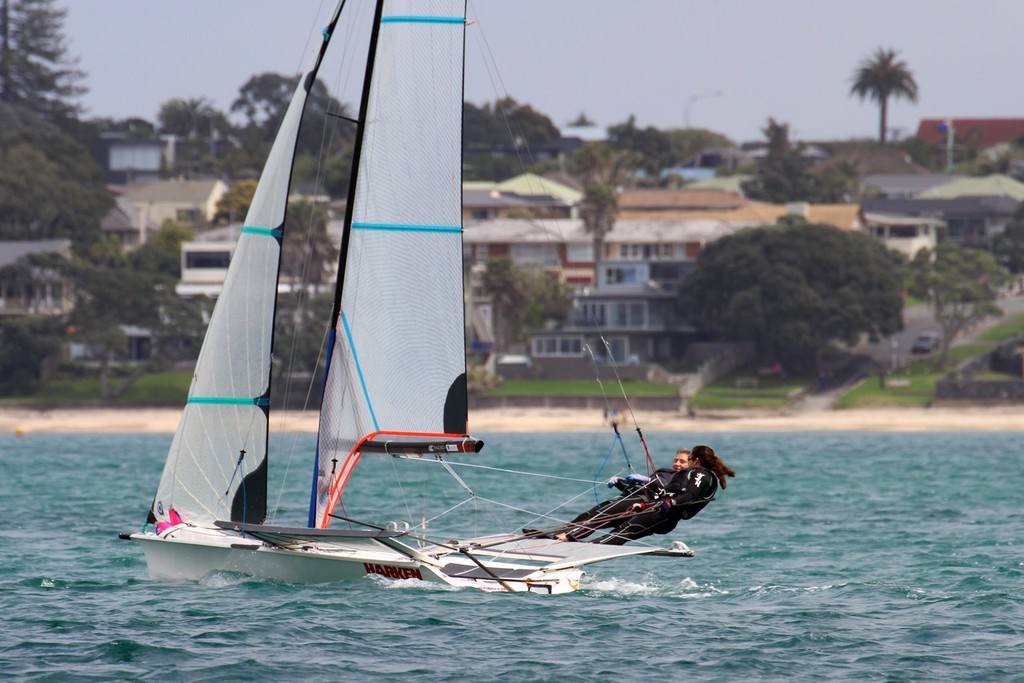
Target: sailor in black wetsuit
{"x": 638, "y": 493}
{"x": 685, "y": 494}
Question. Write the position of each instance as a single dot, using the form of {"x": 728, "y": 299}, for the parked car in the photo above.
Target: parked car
{"x": 926, "y": 342}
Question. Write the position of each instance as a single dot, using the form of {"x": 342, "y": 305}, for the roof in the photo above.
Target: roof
{"x": 902, "y": 184}
{"x": 887, "y": 219}
{"x": 556, "y": 231}
{"x": 945, "y": 206}
{"x": 185, "y": 191}
{"x": 12, "y": 251}
{"x": 653, "y": 200}
{"x": 527, "y": 184}
{"x": 988, "y": 132}
{"x": 729, "y": 183}
{"x": 842, "y": 216}
{"x": 125, "y": 216}
{"x": 995, "y": 185}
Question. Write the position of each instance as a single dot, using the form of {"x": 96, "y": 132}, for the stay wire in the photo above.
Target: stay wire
{"x": 629, "y": 407}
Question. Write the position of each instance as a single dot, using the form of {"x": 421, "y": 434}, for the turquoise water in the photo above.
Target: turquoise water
{"x": 859, "y": 556}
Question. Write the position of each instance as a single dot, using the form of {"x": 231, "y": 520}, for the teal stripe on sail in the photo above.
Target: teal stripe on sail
{"x": 413, "y": 19}
{"x": 265, "y": 232}
{"x": 359, "y": 371}
{"x": 260, "y": 401}
{"x": 398, "y": 227}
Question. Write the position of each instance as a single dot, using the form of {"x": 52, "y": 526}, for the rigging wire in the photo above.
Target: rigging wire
{"x": 629, "y": 407}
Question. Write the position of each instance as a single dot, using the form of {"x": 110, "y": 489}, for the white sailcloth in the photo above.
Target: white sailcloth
{"x": 217, "y": 465}
{"x": 398, "y": 357}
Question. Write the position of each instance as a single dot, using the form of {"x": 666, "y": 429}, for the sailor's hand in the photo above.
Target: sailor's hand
{"x": 637, "y": 479}
{"x": 665, "y": 505}
{"x": 636, "y": 507}
{"x": 613, "y": 482}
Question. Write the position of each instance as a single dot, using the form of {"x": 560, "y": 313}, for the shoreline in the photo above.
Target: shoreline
{"x": 22, "y": 421}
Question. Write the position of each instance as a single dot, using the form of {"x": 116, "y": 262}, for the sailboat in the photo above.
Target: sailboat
{"x": 395, "y": 383}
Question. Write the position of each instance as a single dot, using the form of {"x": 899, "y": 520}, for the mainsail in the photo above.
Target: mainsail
{"x": 217, "y": 465}
{"x": 397, "y": 360}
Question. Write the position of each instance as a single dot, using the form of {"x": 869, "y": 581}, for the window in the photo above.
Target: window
{"x": 557, "y": 347}
{"x": 627, "y": 314}
{"x": 534, "y": 254}
{"x": 580, "y": 253}
{"x": 644, "y": 252}
{"x": 624, "y": 275}
{"x": 207, "y": 259}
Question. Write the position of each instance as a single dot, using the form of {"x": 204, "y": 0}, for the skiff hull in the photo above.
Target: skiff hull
{"x": 497, "y": 563}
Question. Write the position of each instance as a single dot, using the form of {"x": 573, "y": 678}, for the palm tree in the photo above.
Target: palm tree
{"x": 600, "y": 168}
{"x": 880, "y": 77}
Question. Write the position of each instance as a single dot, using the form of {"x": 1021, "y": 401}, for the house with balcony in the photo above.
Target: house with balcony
{"x": 34, "y": 290}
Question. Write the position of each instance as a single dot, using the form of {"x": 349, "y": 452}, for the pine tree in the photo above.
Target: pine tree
{"x": 35, "y": 70}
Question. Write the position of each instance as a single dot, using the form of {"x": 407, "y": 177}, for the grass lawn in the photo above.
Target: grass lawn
{"x": 737, "y": 390}
{"x": 582, "y": 387}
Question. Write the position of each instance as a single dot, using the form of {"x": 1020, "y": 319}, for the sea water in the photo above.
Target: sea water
{"x": 841, "y": 556}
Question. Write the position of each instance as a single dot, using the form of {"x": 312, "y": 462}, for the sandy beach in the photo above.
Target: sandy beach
{"x": 150, "y": 420}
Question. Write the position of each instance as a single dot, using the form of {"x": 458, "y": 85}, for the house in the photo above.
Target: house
{"x": 205, "y": 259}
{"x": 904, "y": 234}
{"x": 633, "y": 302}
{"x": 527, "y": 194}
{"x": 128, "y": 159}
{"x": 969, "y": 220}
{"x": 127, "y": 224}
{"x": 192, "y": 202}
{"x": 36, "y": 291}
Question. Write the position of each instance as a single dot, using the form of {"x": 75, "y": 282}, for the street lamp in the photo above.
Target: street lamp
{"x": 694, "y": 98}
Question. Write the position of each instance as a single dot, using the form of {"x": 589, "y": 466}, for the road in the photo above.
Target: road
{"x": 916, "y": 319}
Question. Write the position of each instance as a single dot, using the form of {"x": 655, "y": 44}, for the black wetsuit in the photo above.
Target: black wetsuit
{"x": 687, "y": 492}
{"x": 635, "y": 497}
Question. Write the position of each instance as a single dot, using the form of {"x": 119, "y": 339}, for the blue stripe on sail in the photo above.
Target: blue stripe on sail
{"x": 230, "y": 400}
{"x": 266, "y": 232}
{"x": 414, "y": 19}
{"x": 359, "y": 370}
{"x": 398, "y": 227}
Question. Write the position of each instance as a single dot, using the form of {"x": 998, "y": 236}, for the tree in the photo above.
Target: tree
{"x": 234, "y": 204}
{"x": 496, "y": 127}
{"x": 503, "y": 286}
{"x": 1008, "y": 246}
{"x": 50, "y": 186}
{"x": 522, "y": 298}
{"x": 790, "y": 290}
{"x": 649, "y": 147}
{"x": 308, "y": 251}
{"x": 198, "y": 126}
{"x": 880, "y": 77}
{"x": 161, "y": 254}
{"x": 600, "y": 169}
{"x": 960, "y": 285}
{"x": 782, "y": 176}
{"x": 35, "y": 69}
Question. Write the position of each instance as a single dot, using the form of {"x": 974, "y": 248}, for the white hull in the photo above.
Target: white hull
{"x": 191, "y": 553}
{"x": 499, "y": 563}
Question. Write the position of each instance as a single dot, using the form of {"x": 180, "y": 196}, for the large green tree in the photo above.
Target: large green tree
{"x": 522, "y": 298}
{"x": 960, "y": 285}
{"x": 881, "y": 77}
{"x": 36, "y": 71}
{"x": 792, "y": 289}
{"x": 50, "y": 186}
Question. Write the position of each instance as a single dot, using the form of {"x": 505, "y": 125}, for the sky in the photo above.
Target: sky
{"x": 724, "y": 65}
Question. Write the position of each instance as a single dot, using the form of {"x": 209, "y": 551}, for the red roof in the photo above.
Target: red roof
{"x": 987, "y": 132}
